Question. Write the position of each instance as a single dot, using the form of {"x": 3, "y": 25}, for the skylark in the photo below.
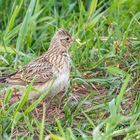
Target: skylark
{"x": 54, "y": 63}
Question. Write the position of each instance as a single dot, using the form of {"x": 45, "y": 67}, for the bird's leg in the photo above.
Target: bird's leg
{"x": 43, "y": 102}
{"x": 37, "y": 112}
{"x": 37, "y": 109}
{"x": 16, "y": 96}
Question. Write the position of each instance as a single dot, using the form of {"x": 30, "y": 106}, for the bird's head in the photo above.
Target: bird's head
{"x": 62, "y": 39}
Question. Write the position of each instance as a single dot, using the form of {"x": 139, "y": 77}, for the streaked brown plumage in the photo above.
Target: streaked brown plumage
{"x": 54, "y": 63}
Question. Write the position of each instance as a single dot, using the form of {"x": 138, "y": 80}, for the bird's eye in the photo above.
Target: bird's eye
{"x": 67, "y": 38}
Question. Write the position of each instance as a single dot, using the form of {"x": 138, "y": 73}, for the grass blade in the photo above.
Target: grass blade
{"x": 43, "y": 122}
{"x": 122, "y": 91}
{"x": 24, "y": 97}
{"x": 92, "y": 7}
{"x": 24, "y": 28}
{"x": 60, "y": 128}
{"x": 36, "y": 102}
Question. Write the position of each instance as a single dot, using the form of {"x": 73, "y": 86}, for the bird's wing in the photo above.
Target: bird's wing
{"x": 36, "y": 72}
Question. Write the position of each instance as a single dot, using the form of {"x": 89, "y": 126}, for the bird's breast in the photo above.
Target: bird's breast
{"x": 61, "y": 81}
{"x": 62, "y": 76}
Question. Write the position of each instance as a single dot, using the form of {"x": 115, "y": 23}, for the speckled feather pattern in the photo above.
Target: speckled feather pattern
{"x": 54, "y": 63}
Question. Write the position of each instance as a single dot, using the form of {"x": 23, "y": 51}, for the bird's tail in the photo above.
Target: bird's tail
{"x": 3, "y": 78}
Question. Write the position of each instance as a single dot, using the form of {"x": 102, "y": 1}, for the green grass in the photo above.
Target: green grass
{"x": 102, "y": 101}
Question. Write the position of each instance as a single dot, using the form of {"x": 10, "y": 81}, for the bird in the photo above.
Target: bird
{"x": 54, "y": 64}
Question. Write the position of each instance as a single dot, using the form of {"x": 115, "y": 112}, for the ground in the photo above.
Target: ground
{"x": 102, "y": 100}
